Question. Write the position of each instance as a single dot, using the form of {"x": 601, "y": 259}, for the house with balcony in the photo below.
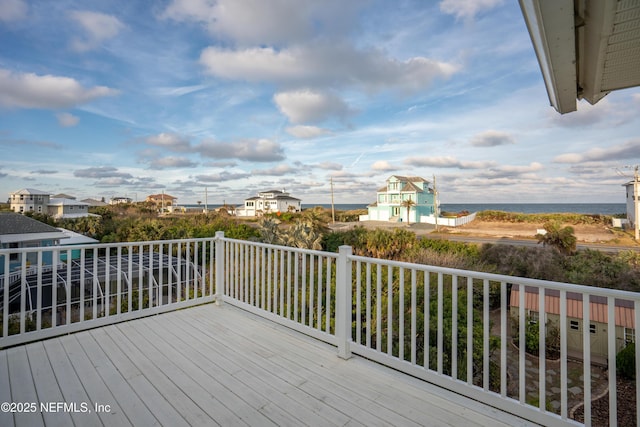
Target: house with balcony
{"x": 397, "y": 191}
{"x": 271, "y": 201}
{"x": 29, "y": 200}
{"x": 161, "y": 200}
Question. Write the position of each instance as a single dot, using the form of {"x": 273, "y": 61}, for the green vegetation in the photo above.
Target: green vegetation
{"x": 559, "y": 237}
{"x": 626, "y": 361}
{"x": 566, "y": 218}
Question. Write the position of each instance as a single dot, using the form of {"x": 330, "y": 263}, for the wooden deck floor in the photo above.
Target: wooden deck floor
{"x": 212, "y": 365}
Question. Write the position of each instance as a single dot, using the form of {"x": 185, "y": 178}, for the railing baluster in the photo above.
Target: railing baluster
{"x": 470, "y": 330}
{"x": 358, "y": 302}
{"x": 107, "y": 282}
{"x": 485, "y": 345}
{"x": 542, "y": 334}
{"x": 319, "y": 302}
{"x": 95, "y": 283}
{"x": 130, "y": 273}
{"x": 5, "y": 299}
{"x": 281, "y": 284}
{"x": 611, "y": 341}
{"x": 378, "y": 307}
{"x": 296, "y": 289}
{"x": 119, "y": 280}
{"x": 440, "y": 323}
{"x": 368, "y": 308}
{"x": 303, "y": 308}
{"x": 503, "y": 339}
{"x": 521, "y": 345}
{"x": 414, "y": 307}
{"x": 311, "y": 288}
{"x": 401, "y": 315}
{"x": 427, "y": 319}
{"x": 454, "y": 327}
{"x": 39, "y": 292}
{"x": 563, "y": 353}
{"x": 389, "y": 310}
{"x": 288, "y": 269}
{"x": 328, "y": 316}
{"x": 586, "y": 358}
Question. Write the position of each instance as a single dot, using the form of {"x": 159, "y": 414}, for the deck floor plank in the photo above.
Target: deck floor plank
{"x": 96, "y": 389}
{"x": 193, "y": 379}
{"x": 212, "y": 365}
{"x": 71, "y": 386}
{"x": 23, "y": 391}
{"x": 47, "y": 387}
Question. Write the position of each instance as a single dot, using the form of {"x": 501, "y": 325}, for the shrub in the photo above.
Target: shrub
{"x": 626, "y": 361}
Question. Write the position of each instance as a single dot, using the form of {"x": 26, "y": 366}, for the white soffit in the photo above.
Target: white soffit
{"x": 551, "y": 28}
{"x": 610, "y": 47}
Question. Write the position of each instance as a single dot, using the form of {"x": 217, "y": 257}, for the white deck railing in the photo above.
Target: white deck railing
{"x": 453, "y": 328}
{"x": 99, "y": 285}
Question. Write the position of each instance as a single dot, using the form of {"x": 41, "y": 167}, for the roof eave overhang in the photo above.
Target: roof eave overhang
{"x": 551, "y": 27}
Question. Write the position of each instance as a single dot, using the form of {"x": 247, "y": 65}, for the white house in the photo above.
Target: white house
{"x": 120, "y": 200}
{"x": 67, "y": 208}
{"x": 271, "y": 201}
{"x": 29, "y": 200}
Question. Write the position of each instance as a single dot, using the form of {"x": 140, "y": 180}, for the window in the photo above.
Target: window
{"x": 592, "y": 328}
{"x": 575, "y": 325}
{"x": 629, "y": 335}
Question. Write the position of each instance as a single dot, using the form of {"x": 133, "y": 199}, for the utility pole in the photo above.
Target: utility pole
{"x": 435, "y": 201}
{"x": 333, "y": 211}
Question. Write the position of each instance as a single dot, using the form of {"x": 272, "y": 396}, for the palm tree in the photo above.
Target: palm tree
{"x": 561, "y": 238}
{"x": 408, "y": 204}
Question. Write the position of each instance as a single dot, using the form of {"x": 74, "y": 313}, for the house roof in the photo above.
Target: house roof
{"x": 74, "y": 238}
{"x": 63, "y": 196}
{"x": 17, "y": 228}
{"x": 585, "y": 48}
{"x": 408, "y": 178}
{"x": 31, "y": 191}
{"x": 94, "y": 202}
{"x": 411, "y": 187}
{"x": 161, "y": 196}
{"x": 67, "y": 202}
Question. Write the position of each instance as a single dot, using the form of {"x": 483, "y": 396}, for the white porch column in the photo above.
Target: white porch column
{"x": 343, "y": 302}
{"x": 219, "y": 267}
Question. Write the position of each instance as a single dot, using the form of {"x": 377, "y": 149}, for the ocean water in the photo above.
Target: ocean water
{"x": 583, "y": 208}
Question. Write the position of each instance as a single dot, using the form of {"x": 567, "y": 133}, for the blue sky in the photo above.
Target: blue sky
{"x": 130, "y": 98}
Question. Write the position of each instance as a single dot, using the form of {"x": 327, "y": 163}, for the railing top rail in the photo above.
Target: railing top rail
{"x": 569, "y": 287}
{"x": 63, "y": 248}
{"x": 290, "y": 248}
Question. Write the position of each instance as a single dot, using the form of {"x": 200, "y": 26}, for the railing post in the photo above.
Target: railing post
{"x": 343, "y": 302}
{"x": 219, "y": 267}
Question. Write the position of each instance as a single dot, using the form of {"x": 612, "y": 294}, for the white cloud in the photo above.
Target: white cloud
{"x": 28, "y": 90}
{"x": 306, "y": 132}
{"x": 492, "y": 138}
{"x": 169, "y": 141}
{"x": 383, "y": 166}
{"x": 256, "y": 150}
{"x": 625, "y": 151}
{"x": 324, "y": 64}
{"x": 279, "y": 170}
{"x": 98, "y": 28}
{"x": 13, "y": 10}
{"x": 447, "y": 162}
{"x": 330, "y": 166}
{"x": 304, "y": 106}
{"x": 67, "y": 120}
{"x": 510, "y": 171}
{"x": 171, "y": 162}
{"x": 467, "y": 9}
{"x": 267, "y": 21}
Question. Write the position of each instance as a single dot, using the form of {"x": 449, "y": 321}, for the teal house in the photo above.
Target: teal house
{"x": 391, "y": 200}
